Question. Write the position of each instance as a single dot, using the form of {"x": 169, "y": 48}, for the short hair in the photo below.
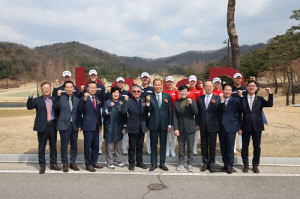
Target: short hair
{"x": 226, "y": 84}
{"x": 68, "y": 82}
{"x": 45, "y": 83}
{"x": 91, "y": 82}
{"x": 157, "y": 79}
{"x": 184, "y": 86}
{"x": 253, "y": 82}
{"x": 136, "y": 86}
{"x": 114, "y": 89}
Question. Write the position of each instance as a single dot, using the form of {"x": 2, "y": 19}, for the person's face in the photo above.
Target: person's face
{"x": 227, "y": 91}
{"x": 145, "y": 80}
{"x": 183, "y": 93}
{"x": 92, "y": 89}
{"x": 193, "y": 83}
{"x": 170, "y": 84}
{"x": 120, "y": 84}
{"x": 46, "y": 90}
{"x": 93, "y": 77}
{"x": 208, "y": 87}
{"x": 157, "y": 86}
{"x": 217, "y": 85}
{"x": 237, "y": 80}
{"x": 67, "y": 78}
{"x": 115, "y": 95}
{"x": 136, "y": 92}
{"x": 251, "y": 88}
{"x": 69, "y": 88}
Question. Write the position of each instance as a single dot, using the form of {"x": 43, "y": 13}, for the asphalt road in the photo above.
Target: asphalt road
{"x": 23, "y": 181}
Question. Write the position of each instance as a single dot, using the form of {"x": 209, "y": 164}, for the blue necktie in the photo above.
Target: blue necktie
{"x": 159, "y": 101}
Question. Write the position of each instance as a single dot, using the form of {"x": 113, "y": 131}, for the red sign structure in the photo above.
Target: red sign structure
{"x": 213, "y": 72}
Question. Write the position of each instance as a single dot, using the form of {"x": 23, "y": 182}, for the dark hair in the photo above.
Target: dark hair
{"x": 182, "y": 87}
{"x": 226, "y": 84}
{"x": 68, "y": 82}
{"x": 157, "y": 79}
{"x": 45, "y": 83}
{"x": 253, "y": 82}
{"x": 91, "y": 82}
{"x": 114, "y": 89}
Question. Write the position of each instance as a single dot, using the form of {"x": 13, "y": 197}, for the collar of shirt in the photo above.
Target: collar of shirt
{"x": 248, "y": 97}
{"x": 210, "y": 95}
{"x": 158, "y": 94}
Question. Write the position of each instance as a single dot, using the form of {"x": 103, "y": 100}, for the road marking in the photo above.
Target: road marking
{"x": 157, "y": 173}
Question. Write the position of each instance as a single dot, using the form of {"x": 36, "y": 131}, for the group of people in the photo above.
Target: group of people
{"x": 164, "y": 113}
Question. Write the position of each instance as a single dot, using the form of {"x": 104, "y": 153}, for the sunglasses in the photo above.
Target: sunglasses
{"x": 136, "y": 91}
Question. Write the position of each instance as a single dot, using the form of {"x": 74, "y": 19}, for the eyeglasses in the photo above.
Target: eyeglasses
{"x": 136, "y": 91}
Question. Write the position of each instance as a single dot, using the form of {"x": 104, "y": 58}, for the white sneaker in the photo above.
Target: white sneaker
{"x": 179, "y": 167}
{"x": 168, "y": 153}
{"x": 111, "y": 166}
{"x": 195, "y": 151}
{"x": 125, "y": 152}
{"x": 190, "y": 168}
{"x": 120, "y": 164}
{"x": 173, "y": 154}
{"x": 234, "y": 150}
{"x": 149, "y": 152}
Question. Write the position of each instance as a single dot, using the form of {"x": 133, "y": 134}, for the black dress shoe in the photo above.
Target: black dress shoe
{"x": 255, "y": 170}
{"x": 42, "y": 170}
{"x": 153, "y": 167}
{"x": 245, "y": 169}
{"x": 203, "y": 168}
{"x": 131, "y": 167}
{"x": 163, "y": 167}
{"x": 143, "y": 166}
{"x": 211, "y": 169}
{"x": 229, "y": 171}
{"x": 224, "y": 168}
{"x": 54, "y": 167}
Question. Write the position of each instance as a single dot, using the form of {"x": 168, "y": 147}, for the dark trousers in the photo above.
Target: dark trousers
{"x": 91, "y": 147}
{"x": 51, "y": 134}
{"x": 136, "y": 145}
{"x": 187, "y": 138}
{"x": 163, "y": 144}
{"x": 227, "y": 141}
{"x": 208, "y": 147}
{"x": 66, "y": 136}
{"x": 256, "y": 138}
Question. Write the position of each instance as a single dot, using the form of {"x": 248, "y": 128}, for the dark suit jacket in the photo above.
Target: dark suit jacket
{"x": 254, "y": 118}
{"x": 209, "y": 118}
{"x": 39, "y": 105}
{"x": 76, "y": 91}
{"x": 136, "y": 119}
{"x": 160, "y": 116}
{"x": 185, "y": 121}
{"x": 100, "y": 94}
{"x": 91, "y": 118}
{"x": 229, "y": 118}
{"x": 61, "y": 103}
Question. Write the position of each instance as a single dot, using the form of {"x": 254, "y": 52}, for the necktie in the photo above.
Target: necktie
{"x": 251, "y": 103}
{"x": 71, "y": 106}
{"x": 225, "y": 102}
{"x": 207, "y": 101}
{"x": 93, "y": 100}
{"x": 48, "y": 109}
{"x": 159, "y": 101}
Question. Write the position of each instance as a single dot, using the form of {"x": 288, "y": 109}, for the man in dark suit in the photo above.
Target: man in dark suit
{"x": 207, "y": 120}
{"x": 160, "y": 123}
{"x": 66, "y": 76}
{"x": 252, "y": 124}
{"x": 68, "y": 123}
{"x": 136, "y": 126}
{"x": 44, "y": 124}
{"x": 89, "y": 106}
{"x": 229, "y": 124}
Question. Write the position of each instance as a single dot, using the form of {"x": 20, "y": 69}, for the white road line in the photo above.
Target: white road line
{"x": 154, "y": 174}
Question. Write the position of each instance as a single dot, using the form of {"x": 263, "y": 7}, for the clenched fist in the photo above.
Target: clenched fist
{"x": 111, "y": 104}
{"x": 85, "y": 97}
{"x": 81, "y": 88}
{"x": 189, "y": 101}
{"x": 240, "y": 93}
{"x": 176, "y": 133}
{"x": 148, "y": 98}
{"x": 59, "y": 92}
{"x": 268, "y": 90}
{"x": 108, "y": 89}
{"x": 126, "y": 98}
{"x": 134, "y": 81}
{"x": 56, "y": 83}
{"x": 175, "y": 88}
{"x": 31, "y": 94}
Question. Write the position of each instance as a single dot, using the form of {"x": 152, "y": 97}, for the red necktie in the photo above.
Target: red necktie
{"x": 48, "y": 109}
{"x": 93, "y": 98}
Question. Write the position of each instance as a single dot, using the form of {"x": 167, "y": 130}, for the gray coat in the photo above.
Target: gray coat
{"x": 184, "y": 121}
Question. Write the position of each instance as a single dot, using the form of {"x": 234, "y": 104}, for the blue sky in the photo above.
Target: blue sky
{"x": 149, "y": 29}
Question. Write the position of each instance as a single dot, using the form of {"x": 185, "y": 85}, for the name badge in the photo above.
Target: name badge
{"x": 99, "y": 89}
{"x": 173, "y": 93}
{"x": 149, "y": 91}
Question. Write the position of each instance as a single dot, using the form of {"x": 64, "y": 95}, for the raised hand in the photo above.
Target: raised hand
{"x": 126, "y": 98}
{"x": 148, "y": 98}
{"x": 85, "y": 96}
{"x": 111, "y": 104}
{"x": 81, "y": 88}
{"x": 175, "y": 88}
{"x": 31, "y": 94}
{"x": 134, "y": 81}
{"x": 221, "y": 96}
{"x": 56, "y": 83}
{"x": 240, "y": 93}
{"x": 252, "y": 78}
{"x": 189, "y": 101}
{"x": 108, "y": 89}
{"x": 59, "y": 92}
{"x": 268, "y": 90}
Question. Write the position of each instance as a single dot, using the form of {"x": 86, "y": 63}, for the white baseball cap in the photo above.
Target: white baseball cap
{"x": 92, "y": 72}
{"x": 145, "y": 74}
{"x": 192, "y": 78}
{"x": 66, "y": 73}
{"x": 216, "y": 79}
{"x": 120, "y": 79}
{"x": 170, "y": 78}
{"x": 237, "y": 75}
